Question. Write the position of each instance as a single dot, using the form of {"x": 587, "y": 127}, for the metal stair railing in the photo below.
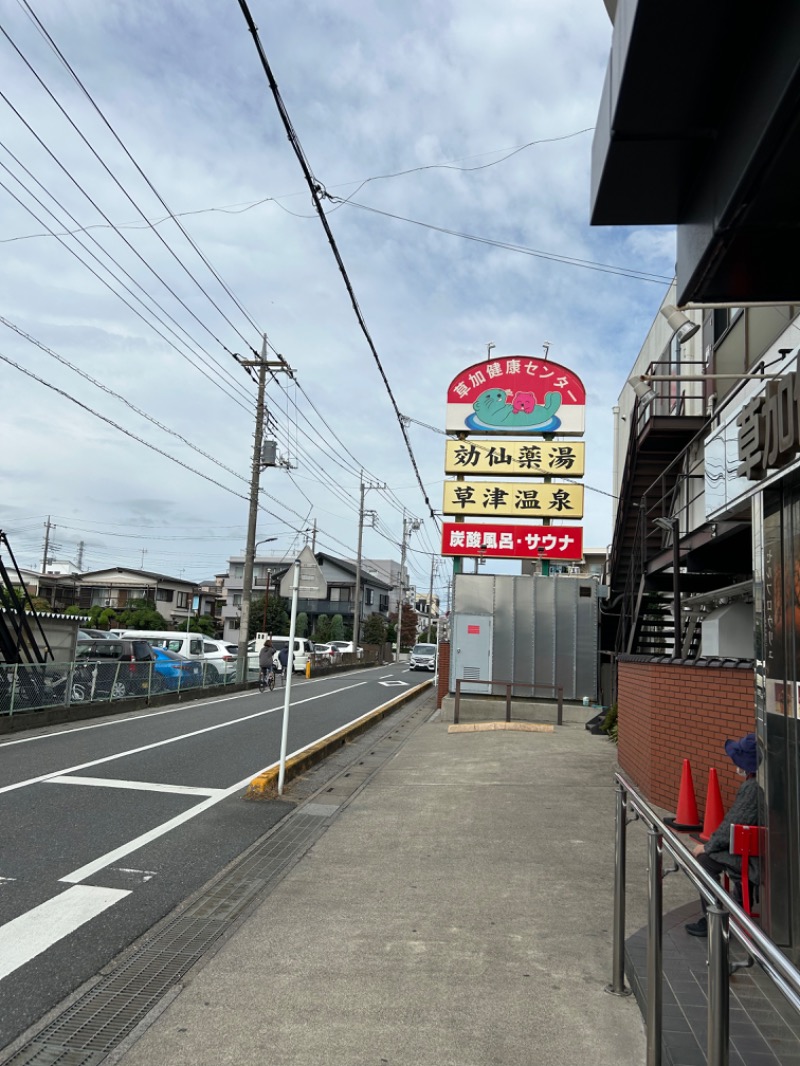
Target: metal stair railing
{"x": 20, "y": 642}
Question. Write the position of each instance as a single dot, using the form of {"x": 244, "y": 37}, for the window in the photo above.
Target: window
{"x": 165, "y": 595}
{"x": 369, "y": 597}
{"x": 384, "y": 603}
{"x": 237, "y": 599}
{"x": 237, "y": 572}
{"x": 183, "y": 599}
{"x": 340, "y": 593}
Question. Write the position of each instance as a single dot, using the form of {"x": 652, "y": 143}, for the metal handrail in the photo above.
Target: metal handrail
{"x": 721, "y": 909}
{"x": 557, "y": 690}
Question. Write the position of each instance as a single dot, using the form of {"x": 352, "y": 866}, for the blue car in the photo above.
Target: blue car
{"x": 172, "y": 671}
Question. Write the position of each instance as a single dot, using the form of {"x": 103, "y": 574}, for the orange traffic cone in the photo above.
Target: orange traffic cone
{"x": 715, "y": 812}
{"x": 687, "y": 818}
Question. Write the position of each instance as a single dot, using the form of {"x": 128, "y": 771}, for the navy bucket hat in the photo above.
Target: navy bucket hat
{"x": 743, "y": 752}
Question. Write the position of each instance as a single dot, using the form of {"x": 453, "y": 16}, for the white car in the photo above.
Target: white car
{"x": 221, "y": 656}
{"x": 327, "y": 653}
{"x": 422, "y": 657}
{"x": 346, "y": 647}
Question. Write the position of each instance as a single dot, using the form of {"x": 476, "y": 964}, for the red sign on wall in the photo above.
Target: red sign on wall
{"x": 512, "y": 541}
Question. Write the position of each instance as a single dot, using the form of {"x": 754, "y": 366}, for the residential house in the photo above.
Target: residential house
{"x": 116, "y": 587}
{"x": 327, "y": 586}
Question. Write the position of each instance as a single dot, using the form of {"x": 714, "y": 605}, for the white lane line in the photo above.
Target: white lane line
{"x": 27, "y": 936}
{"x": 141, "y": 786}
{"x": 171, "y": 740}
{"x": 103, "y": 861}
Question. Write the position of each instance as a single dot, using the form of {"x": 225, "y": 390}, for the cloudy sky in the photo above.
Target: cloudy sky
{"x": 156, "y": 222}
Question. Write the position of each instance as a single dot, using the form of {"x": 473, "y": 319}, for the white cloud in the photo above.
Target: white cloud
{"x": 371, "y": 90}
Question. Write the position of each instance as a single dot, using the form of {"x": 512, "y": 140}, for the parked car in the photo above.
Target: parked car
{"x": 346, "y": 648}
{"x": 172, "y": 671}
{"x": 220, "y": 655}
{"x": 422, "y": 657}
{"x": 327, "y": 653}
{"x": 111, "y": 669}
{"x": 96, "y": 634}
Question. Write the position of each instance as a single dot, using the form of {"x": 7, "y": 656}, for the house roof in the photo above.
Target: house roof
{"x": 350, "y": 567}
{"x": 111, "y": 570}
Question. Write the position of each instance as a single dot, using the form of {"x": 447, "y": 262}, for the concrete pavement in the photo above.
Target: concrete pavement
{"x": 457, "y": 912}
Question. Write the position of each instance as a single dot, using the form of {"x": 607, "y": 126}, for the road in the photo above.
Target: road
{"x": 109, "y": 825}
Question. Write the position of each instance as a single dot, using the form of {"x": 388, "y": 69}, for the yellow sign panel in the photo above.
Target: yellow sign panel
{"x": 520, "y": 499}
{"x": 515, "y": 458}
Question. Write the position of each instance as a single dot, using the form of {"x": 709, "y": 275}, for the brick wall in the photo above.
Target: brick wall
{"x": 444, "y": 672}
{"x": 671, "y": 711}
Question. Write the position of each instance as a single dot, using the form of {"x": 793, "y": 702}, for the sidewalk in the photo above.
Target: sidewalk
{"x": 457, "y": 912}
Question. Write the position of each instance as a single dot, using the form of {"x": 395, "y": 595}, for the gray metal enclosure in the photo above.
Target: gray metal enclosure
{"x": 543, "y": 632}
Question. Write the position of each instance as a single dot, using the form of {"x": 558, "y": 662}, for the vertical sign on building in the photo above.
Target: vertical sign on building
{"x": 538, "y": 401}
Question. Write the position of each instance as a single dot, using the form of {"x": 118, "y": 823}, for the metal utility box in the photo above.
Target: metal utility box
{"x": 472, "y": 641}
{"x": 729, "y": 631}
{"x": 542, "y": 631}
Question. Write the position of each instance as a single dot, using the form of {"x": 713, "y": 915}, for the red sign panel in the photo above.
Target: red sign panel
{"x": 516, "y": 394}
{"x": 512, "y": 542}
{"x": 473, "y": 629}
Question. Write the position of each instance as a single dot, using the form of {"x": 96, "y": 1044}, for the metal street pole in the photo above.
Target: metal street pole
{"x": 289, "y": 672}
{"x": 402, "y": 593}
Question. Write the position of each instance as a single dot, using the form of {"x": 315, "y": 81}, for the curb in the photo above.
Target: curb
{"x": 265, "y": 785}
{"x": 485, "y": 727}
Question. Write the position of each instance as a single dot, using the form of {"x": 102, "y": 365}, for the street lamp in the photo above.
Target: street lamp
{"x": 672, "y": 525}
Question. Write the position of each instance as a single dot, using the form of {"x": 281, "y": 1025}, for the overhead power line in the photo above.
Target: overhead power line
{"x": 317, "y": 193}
{"x": 587, "y": 264}
{"x": 122, "y": 188}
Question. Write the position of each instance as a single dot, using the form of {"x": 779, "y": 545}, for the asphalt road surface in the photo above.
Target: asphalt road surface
{"x": 108, "y": 825}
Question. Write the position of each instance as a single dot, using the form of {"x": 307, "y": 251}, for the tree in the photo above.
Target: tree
{"x": 204, "y": 624}
{"x": 301, "y": 624}
{"x": 337, "y": 628}
{"x": 139, "y": 614}
{"x": 322, "y": 629}
{"x": 408, "y": 637}
{"x": 274, "y": 620}
{"x": 374, "y": 630}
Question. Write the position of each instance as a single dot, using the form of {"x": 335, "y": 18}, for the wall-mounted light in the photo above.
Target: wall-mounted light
{"x": 680, "y": 324}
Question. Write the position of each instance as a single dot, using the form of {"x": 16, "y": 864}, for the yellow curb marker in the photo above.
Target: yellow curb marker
{"x": 484, "y": 727}
{"x": 265, "y": 786}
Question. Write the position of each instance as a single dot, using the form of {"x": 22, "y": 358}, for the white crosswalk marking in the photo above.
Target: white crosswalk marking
{"x": 27, "y": 936}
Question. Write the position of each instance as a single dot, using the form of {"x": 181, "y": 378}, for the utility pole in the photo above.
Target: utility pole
{"x": 314, "y": 537}
{"x": 79, "y": 561}
{"x": 430, "y": 597}
{"x": 409, "y": 525}
{"x": 262, "y": 365}
{"x": 47, "y": 527}
{"x": 357, "y": 605}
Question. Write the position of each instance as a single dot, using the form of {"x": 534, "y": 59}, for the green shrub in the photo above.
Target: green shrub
{"x": 609, "y": 724}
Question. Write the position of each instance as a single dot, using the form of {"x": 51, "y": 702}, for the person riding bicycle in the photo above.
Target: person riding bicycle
{"x": 265, "y": 661}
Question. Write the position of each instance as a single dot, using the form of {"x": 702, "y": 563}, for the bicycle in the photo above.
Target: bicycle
{"x": 266, "y": 679}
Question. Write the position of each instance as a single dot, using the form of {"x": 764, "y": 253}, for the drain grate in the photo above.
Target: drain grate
{"x": 109, "y": 1011}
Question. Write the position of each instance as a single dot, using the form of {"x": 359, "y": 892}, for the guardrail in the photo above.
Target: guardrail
{"x": 721, "y": 909}
{"x": 34, "y": 687}
{"x": 557, "y": 691}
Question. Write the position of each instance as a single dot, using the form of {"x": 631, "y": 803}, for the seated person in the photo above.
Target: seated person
{"x": 713, "y": 855}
